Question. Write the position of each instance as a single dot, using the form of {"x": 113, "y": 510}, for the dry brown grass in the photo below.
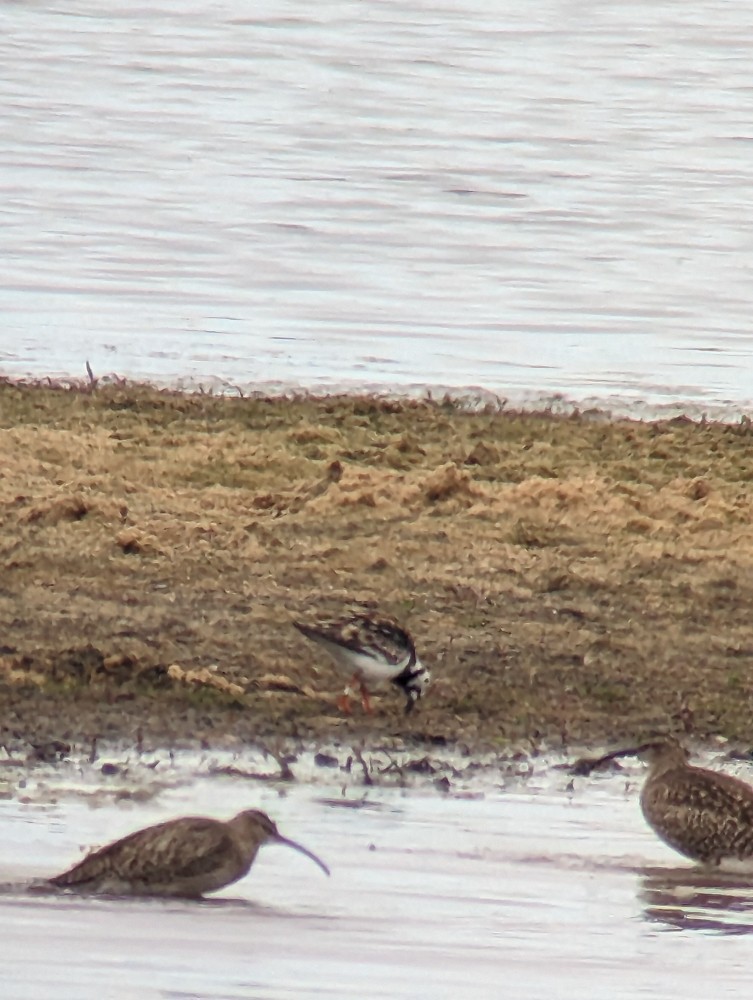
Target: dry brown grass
{"x": 566, "y": 577}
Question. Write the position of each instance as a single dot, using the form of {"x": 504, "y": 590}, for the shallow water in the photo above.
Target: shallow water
{"x": 528, "y": 887}
{"x": 519, "y": 197}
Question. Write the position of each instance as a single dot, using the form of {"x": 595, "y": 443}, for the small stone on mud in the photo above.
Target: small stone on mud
{"x": 421, "y": 766}
{"x": 50, "y": 752}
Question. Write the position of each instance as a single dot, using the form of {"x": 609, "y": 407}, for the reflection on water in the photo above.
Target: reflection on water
{"x": 688, "y": 899}
{"x": 496, "y": 195}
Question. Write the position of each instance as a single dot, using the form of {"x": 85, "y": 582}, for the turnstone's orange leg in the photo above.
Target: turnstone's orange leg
{"x": 343, "y": 702}
{"x": 365, "y": 700}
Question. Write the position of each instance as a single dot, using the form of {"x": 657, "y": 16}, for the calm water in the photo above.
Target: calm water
{"x": 533, "y": 199}
{"x": 524, "y": 888}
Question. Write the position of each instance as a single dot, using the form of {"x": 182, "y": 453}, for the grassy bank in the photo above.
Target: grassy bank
{"x": 566, "y": 577}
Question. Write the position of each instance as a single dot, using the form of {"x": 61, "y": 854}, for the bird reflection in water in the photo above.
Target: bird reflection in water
{"x": 686, "y": 899}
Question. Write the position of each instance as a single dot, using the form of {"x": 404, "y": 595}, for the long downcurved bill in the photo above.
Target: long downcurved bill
{"x": 302, "y": 850}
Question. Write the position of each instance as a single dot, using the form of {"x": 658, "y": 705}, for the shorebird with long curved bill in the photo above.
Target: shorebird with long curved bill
{"x": 371, "y": 649}
{"x": 183, "y": 857}
{"x": 703, "y": 814}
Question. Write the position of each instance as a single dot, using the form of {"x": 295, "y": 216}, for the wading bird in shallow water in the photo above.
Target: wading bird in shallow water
{"x": 372, "y": 649}
{"x": 705, "y": 815}
{"x": 183, "y": 857}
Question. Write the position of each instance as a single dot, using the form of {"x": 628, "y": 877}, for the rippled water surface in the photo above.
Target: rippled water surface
{"x": 532, "y": 198}
{"x": 525, "y": 888}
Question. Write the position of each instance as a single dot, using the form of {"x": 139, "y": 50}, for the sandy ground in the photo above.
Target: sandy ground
{"x": 568, "y": 579}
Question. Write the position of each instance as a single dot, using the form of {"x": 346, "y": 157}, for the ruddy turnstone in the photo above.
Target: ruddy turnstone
{"x": 372, "y": 648}
{"x": 183, "y": 857}
{"x": 705, "y": 815}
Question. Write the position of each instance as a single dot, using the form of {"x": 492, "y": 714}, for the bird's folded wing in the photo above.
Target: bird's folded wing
{"x": 183, "y": 847}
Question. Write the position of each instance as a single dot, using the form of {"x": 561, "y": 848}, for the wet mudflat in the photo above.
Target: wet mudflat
{"x": 529, "y": 884}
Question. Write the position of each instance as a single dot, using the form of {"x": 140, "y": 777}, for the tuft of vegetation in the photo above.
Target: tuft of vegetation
{"x": 565, "y": 577}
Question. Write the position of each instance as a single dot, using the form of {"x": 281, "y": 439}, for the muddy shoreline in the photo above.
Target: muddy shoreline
{"x": 570, "y": 579}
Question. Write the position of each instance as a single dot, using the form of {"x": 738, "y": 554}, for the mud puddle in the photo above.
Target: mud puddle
{"x": 522, "y": 886}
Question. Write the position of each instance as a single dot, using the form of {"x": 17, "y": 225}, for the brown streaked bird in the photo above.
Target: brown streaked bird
{"x": 703, "y": 814}
{"x": 183, "y": 857}
{"x": 371, "y": 648}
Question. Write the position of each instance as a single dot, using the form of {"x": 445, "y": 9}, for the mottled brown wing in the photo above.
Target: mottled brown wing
{"x": 178, "y": 848}
{"x": 362, "y": 633}
{"x": 701, "y": 813}
{"x": 390, "y": 638}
